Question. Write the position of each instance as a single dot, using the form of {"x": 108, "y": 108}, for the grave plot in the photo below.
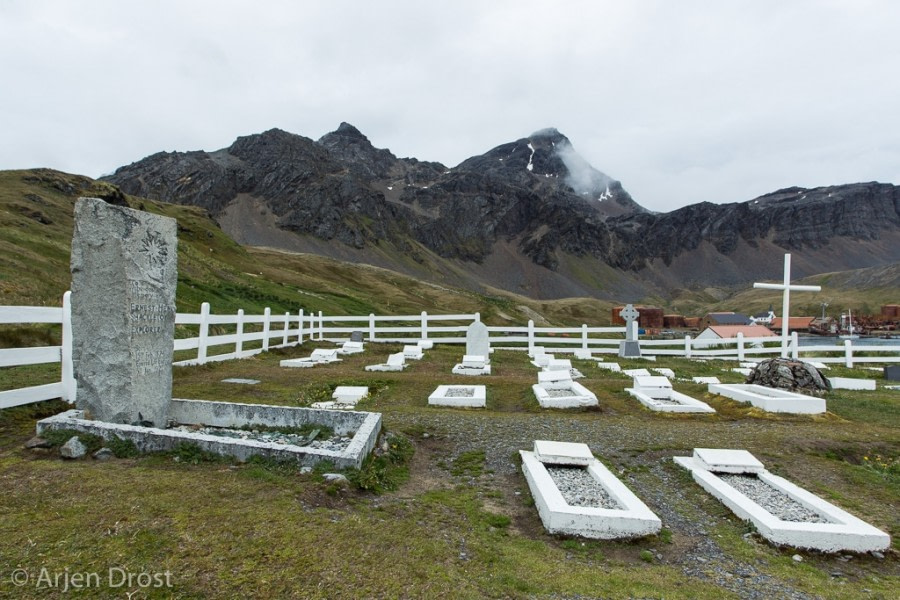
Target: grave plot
{"x": 575, "y": 494}
{"x": 540, "y": 358}
{"x": 614, "y": 367}
{"x": 123, "y": 317}
{"x": 783, "y": 513}
{"x": 471, "y": 396}
{"x": 472, "y": 365}
{"x": 664, "y": 372}
{"x": 851, "y": 383}
{"x": 656, "y": 393}
{"x": 221, "y": 427}
{"x": 636, "y": 372}
{"x": 705, "y": 379}
{"x": 395, "y": 362}
{"x": 477, "y": 359}
{"x": 352, "y": 348}
{"x": 555, "y": 389}
{"x": 563, "y": 364}
{"x": 770, "y": 399}
{"x": 319, "y": 356}
{"x": 344, "y": 397}
{"x": 413, "y": 352}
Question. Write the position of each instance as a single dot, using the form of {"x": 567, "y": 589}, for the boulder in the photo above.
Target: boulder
{"x": 789, "y": 374}
{"x": 73, "y": 448}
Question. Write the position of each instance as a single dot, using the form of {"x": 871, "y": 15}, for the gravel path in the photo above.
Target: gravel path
{"x": 775, "y": 501}
{"x": 579, "y": 488}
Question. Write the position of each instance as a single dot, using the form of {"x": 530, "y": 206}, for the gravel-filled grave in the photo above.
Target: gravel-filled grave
{"x": 335, "y": 443}
{"x": 459, "y": 393}
{"x": 773, "y": 500}
{"x": 579, "y": 488}
{"x": 562, "y": 393}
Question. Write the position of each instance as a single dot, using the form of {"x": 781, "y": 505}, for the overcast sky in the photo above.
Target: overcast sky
{"x": 682, "y": 101}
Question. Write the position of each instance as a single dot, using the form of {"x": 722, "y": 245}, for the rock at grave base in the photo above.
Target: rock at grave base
{"x": 788, "y": 374}
{"x": 305, "y": 470}
{"x": 73, "y": 448}
{"x": 103, "y": 454}
{"x": 37, "y": 442}
{"x": 336, "y": 478}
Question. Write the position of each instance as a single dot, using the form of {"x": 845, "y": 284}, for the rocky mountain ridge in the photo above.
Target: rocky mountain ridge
{"x": 530, "y": 216}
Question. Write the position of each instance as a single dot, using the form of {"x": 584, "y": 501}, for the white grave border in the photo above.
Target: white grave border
{"x": 844, "y": 533}
{"x": 558, "y": 517}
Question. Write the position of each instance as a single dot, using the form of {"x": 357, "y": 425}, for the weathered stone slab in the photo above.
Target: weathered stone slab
{"x": 124, "y": 271}
{"x": 562, "y": 453}
{"x": 723, "y": 460}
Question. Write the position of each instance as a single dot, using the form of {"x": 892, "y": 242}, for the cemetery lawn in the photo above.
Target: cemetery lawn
{"x": 462, "y": 524}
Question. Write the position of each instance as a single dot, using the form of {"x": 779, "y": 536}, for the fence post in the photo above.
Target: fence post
{"x": 371, "y": 327}
{"x": 478, "y": 316}
{"x": 321, "y": 326}
{"x": 424, "y": 325}
{"x": 687, "y": 346}
{"x": 584, "y": 336}
{"x": 530, "y": 337}
{"x": 848, "y": 353}
{"x": 68, "y": 378}
{"x": 740, "y": 346}
{"x": 300, "y": 327}
{"x": 267, "y": 314}
{"x": 204, "y": 333}
{"x": 795, "y": 346}
{"x": 287, "y": 326}
{"x": 239, "y": 332}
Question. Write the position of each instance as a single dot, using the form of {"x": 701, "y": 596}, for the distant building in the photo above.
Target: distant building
{"x": 692, "y": 322}
{"x": 890, "y": 312}
{"x": 724, "y": 318}
{"x": 649, "y": 317}
{"x": 710, "y": 335}
{"x": 673, "y": 321}
{"x": 794, "y": 323}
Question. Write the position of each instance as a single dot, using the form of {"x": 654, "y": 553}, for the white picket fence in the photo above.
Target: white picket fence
{"x": 267, "y": 331}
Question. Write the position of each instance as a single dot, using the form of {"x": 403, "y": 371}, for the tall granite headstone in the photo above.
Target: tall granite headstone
{"x": 124, "y": 272}
{"x": 477, "y": 342}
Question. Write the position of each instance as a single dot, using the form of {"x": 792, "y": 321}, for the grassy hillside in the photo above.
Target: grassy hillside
{"x": 35, "y": 238}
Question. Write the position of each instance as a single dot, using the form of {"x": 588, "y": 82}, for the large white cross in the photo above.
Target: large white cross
{"x": 786, "y": 302}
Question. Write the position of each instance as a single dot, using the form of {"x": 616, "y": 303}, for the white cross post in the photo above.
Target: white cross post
{"x": 786, "y": 287}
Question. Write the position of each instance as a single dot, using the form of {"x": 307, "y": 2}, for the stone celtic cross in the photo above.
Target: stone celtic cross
{"x": 630, "y": 348}
{"x": 630, "y": 314}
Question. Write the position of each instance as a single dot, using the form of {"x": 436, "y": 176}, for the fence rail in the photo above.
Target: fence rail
{"x": 226, "y": 337}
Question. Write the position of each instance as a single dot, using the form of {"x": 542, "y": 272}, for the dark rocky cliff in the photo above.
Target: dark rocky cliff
{"x": 535, "y": 196}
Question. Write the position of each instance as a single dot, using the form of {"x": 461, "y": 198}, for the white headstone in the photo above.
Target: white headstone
{"x": 124, "y": 273}
{"x": 477, "y": 341}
